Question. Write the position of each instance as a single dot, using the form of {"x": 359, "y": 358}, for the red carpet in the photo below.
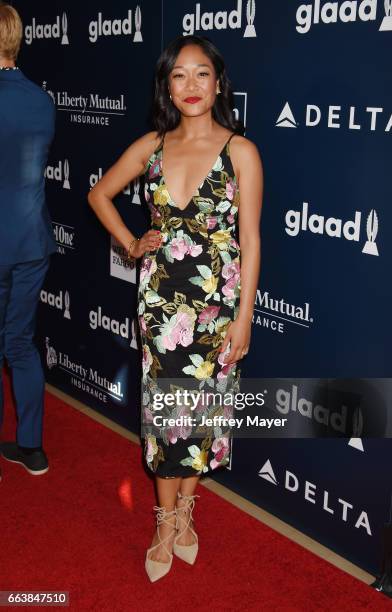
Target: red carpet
{"x": 85, "y": 525}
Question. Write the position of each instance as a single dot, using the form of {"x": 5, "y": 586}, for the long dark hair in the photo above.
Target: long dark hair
{"x": 165, "y": 115}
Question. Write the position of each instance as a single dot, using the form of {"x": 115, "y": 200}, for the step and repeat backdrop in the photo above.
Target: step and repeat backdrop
{"x": 312, "y": 87}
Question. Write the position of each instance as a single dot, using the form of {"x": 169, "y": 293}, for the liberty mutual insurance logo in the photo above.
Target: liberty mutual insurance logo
{"x": 116, "y": 27}
{"x": 51, "y": 355}
{"x": 45, "y": 30}
{"x": 221, "y": 20}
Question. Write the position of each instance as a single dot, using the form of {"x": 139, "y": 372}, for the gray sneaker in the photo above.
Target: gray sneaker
{"x": 35, "y": 462}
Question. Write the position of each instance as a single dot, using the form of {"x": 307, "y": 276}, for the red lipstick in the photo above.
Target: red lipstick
{"x": 192, "y": 100}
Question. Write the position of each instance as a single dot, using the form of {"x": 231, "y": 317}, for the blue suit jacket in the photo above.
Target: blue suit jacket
{"x": 27, "y": 116}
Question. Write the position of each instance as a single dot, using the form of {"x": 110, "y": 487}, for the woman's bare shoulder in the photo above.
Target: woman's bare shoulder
{"x": 239, "y": 145}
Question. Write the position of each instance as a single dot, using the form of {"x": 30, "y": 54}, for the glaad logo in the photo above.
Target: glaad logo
{"x": 98, "y": 319}
{"x": 335, "y": 115}
{"x": 221, "y": 20}
{"x": 56, "y": 301}
{"x": 345, "y": 511}
{"x": 40, "y": 31}
{"x": 348, "y": 11}
{"x": 280, "y": 310}
{"x": 59, "y": 173}
{"x": 116, "y": 27}
{"x": 287, "y": 401}
{"x": 297, "y": 221}
{"x": 65, "y": 237}
{"x": 51, "y": 355}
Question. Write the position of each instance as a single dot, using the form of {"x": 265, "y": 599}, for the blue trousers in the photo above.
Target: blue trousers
{"x": 20, "y": 286}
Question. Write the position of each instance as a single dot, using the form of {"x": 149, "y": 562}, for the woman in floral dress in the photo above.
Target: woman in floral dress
{"x": 198, "y": 278}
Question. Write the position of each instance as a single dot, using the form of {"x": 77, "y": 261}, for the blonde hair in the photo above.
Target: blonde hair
{"x": 11, "y": 32}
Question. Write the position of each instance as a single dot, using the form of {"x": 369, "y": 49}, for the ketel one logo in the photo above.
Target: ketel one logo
{"x": 297, "y": 221}
{"x": 116, "y": 27}
{"x": 51, "y": 355}
{"x": 221, "y": 20}
{"x": 48, "y": 30}
{"x": 57, "y": 301}
{"x": 345, "y": 12}
{"x": 323, "y": 499}
{"x": 59, "y": 173}
{"x": 337, "y": 117}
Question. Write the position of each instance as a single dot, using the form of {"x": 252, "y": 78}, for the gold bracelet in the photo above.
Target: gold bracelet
{"x": 130, "y": 257}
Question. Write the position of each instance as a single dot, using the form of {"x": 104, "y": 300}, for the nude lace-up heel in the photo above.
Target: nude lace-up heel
{"x": 189, "y": 552}
{"x": 158, "y": 569}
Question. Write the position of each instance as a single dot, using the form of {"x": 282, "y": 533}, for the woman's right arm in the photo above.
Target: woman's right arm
{"x": 130, "y": 165}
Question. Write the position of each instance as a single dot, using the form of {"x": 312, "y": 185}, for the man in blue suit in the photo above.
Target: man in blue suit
{"x": 27, "y": 117}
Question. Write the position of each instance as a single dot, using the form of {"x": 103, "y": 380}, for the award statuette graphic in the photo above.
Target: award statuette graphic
{"x": 386, "y": 24}
{"x": 133, "y": 343}
{"x": 138, "y": 24}
{"x": 250, "y": 31}
{"x": 67, "y": 302}
{"x": 51, "y": 356}
{"x": 136, "y": 188}
{"x": 66, "y": 184}
{"x": 64, "y": 25}
{"x": 370, "y": 247}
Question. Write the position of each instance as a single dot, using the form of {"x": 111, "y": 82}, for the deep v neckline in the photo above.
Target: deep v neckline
{"x": 199, "y": 185}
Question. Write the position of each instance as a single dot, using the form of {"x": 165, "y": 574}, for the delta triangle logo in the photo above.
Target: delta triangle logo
{"x": 356, "y": 443}
{"x": 267, "y": 473}
{"x": 286, "y": 118}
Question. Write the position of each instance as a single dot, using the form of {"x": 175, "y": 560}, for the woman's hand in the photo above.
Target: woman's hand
{"x": 148, "y": 242}
{"x": 238, "y": 334}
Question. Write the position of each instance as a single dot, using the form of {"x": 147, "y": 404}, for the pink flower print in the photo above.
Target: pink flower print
{"x": 178, "y": 331}
{"x": 147, "y": 359}
{"x": 142, "y": 325}
{"x": 230, "y": 190}
{"x": 148, "y": 268}
{"x": 178, "y": 248}
{"x": 208, "y": 314}
{"x": 146, "y": 194}
{"x": 230, "y": 218}
{"x": 155, "y": 169}
{"x": 195, "y": 249}
{"x": 226, "y": 367}
{"x": 180, "y": 431}
{"x": 230, "y": 269}
{"x": 211, "y": 222}
{"x": 220, "y": 447}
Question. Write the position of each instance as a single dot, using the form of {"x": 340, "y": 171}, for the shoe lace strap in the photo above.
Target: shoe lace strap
{"x": 162, "y": 517}
{"x": 189, "y": 505}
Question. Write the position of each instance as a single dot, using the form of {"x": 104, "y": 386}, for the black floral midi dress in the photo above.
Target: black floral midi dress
{"x": 188, "y": 295}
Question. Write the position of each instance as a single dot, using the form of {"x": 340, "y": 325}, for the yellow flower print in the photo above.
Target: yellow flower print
{"x": 161, "y": 196}
{"x": 221, "y": 238}
{"x": 204, "y": 370}
{"x": 210, "y": 284}
{"x": 200, "y": 461}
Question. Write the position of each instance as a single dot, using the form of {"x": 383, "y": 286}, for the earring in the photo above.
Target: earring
{"x": 170, "y": 96}
{"x": 218, "y": 90}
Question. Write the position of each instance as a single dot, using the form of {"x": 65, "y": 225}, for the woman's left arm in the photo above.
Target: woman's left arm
{"x": 249, "y": 172}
